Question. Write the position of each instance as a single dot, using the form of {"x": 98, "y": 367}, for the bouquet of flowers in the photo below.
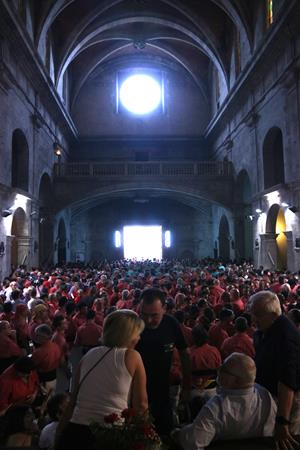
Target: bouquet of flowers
{"x": 128, "y": 431}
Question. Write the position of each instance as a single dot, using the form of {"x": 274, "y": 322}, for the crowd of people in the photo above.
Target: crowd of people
{"x": 211, "y": 350}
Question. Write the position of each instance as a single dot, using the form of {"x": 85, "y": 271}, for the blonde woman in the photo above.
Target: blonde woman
{"x": 109, "y": 379}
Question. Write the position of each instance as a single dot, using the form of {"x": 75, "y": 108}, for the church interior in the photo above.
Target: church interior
{"x": 150, "y": 215}
{"x": 215, "y": 164}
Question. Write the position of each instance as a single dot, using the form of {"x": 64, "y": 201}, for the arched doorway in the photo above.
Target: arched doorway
{"x": 243, "y": 224}
{"x": 276, "y": 225}
{"x": 61, "y": 243}
{"x": 20, "y": 240}
{"x": 45, "y": 222}
{"x": 20, "y": 161}
{"x": 224, "y": 239}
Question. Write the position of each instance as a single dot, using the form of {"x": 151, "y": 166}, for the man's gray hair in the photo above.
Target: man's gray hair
{"x": 267, "y": 300}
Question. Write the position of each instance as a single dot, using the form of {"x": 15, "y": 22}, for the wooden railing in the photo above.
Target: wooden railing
{"x": 145, "y": 169}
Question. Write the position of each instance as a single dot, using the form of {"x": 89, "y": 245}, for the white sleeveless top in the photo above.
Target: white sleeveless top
{"x": 106, "y": 389}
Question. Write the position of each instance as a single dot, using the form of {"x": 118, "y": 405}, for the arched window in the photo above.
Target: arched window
{"x": 61, "y": 243}
{"x": 20, "y": 161}
{"x": 224, "y": 239}
{"x": 273, "y": 158}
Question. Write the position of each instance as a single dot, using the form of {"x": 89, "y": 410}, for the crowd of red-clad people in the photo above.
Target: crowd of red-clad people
{"x": 48, "y": 317}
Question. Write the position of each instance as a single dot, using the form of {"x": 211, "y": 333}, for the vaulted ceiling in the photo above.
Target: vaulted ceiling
{"x": 190, "y": 36}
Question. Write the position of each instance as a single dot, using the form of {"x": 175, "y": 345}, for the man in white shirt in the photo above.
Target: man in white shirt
{"x": 240, "y": 409}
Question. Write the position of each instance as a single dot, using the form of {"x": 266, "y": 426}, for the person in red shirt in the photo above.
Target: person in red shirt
{"x": 241, "y": 342}
{"x": 80, "y": 317}
{"x": 215, "y": 292}
{"x": 40, "y": 315}
{"x": 59, "y": 326}
{"x": 9, "y": 349}
{"x": 204, "y": 357}
{"x": 186, "y": 331}
{"x": 46, "y": 358}
{"x": 98, "y": 307}
{"x": 18, "y": 384}
{"x": 237, "y": 303}
{"x": 219, "y": 332}
{"x": 89, "y": 333}
{"x": 7, "y": 313}
{"x": 22, "y": 328}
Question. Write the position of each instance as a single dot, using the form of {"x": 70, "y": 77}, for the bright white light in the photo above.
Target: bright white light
{"x": 140, "y": 94}
{"x": 285, "y": 205}
{"x": 117, "y": 239}
{"x": 258, "y": 211}
{"x": 142, "y": 242}
{"x": 20, "y": 202}
{"x": 272, "y": 197}
{"x": 167, "y": 239}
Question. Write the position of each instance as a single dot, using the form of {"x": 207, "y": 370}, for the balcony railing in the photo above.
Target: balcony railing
{"x": 144, "y": 169}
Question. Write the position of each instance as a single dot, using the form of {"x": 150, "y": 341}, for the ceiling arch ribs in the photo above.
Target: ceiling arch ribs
{"x": 50, "y": 10}
{"x": 93, "y": 64}
{"x": 146, "y": 19}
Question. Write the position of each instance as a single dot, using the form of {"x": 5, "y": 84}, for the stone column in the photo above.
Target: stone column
{"x": 290, "y": 251}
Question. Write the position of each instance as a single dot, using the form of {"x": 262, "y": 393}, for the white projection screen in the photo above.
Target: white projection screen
{"x": 142, "y": 242}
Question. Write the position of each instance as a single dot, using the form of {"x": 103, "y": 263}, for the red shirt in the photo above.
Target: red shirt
{"x": 47, "y": 357}
{"x": 8, "y": 347}
{"x": 60, "y": 340}
{"x": 217, "y": 335}
{"x": 187, "y": 333}
{"x": 204, "y": 358}
{"x": 14, "y": 389}
{"x": 240, "y": 342}
{"x": 88, "y": 335}
{"x": 79, "y": 319}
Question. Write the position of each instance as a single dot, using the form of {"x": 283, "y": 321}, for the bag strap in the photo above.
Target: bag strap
{"x": 88, "y": 372}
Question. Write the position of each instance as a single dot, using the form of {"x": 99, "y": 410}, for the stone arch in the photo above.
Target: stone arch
{"x": 243, "y": 224}
{"x": 273, "y": 158}
{"x": 276, "y": 229}
{"x": 20, "y": 161}
{"x": 61, "y": 242}
{"x": 20, "y": 243}
{"x": 224, "y": 239}
{"x": 45, "y": 221}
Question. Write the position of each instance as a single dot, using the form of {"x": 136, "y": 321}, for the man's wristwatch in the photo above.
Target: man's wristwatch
{"x": 280, "y": 420}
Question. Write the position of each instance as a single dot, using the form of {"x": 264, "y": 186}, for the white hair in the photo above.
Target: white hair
{"x": 266, "y": 300}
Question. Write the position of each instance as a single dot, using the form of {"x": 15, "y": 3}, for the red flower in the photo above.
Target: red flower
{"x": 128, "y": 413}
{"x": 138, "y": 446}
{"x": 111, "y": 418}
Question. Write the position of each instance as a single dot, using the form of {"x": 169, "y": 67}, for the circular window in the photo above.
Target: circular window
{"x": 140, "y": 94}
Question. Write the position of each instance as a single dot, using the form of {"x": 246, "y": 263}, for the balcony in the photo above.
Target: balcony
{"x": 180, "y": 169}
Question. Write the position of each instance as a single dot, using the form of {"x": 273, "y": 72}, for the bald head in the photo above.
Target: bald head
{"x": 238, "y": 371}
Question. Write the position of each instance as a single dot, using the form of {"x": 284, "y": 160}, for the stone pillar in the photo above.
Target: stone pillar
{"x": 268, "y": 251}
{"x": 290, "y": 251}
